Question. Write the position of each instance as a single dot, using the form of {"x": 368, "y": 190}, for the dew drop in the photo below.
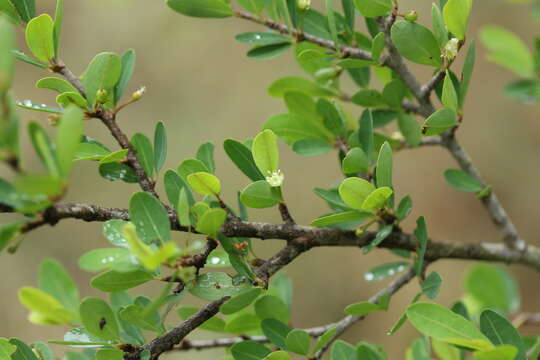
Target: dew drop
{"x": 27, "y": 103}
{"x": 369, "y": 276}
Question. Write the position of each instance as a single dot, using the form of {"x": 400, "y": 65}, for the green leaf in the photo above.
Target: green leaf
{"x": 298, "y": 341}
{"x": 394, "y": 92}
{"x": 377, "y": 199}
{"x": 240, "y": 301}
{"x": 107, "y": 259}
{"x": 503, "y": 352}
{"x": 99, "y": 319}
{"x": 378, "y": 46}
{"x": 56, "y": 281}
{"x": 103, "y": 72}
{"x": 501, "y": 332}
{"x": 212, "y": 220}
{"x": 368, "y": 98}
{"x": 202, "y": 8}
{"x": 265, "y": 152}
{"x": 384, "y": 166}
{"x": 271, "y": 307}
{"x": 145, "y": 153}
{"x": 384, "y": 271}
{"x": 24, "y": 352}
{"x": 70, "y": 131}
{"x": 25, "y": 8}
{"x": 311, "y": 147}
{"x": 432, "y": 285}
{"x": 416, "y": 43}
{"x": 116, "y": 156}
{"x": 362, "y": 308}
{"x": 204, "y": 183}
{"x": 45, "y": 306}
{"x": 354, "y": 63}
{"x": 117, "y": 171}
{"x": 507, "y": 50}
{"x": 365, "y": 134}
{"x": 56, "y": 84}
{"x": 206, "y": 289}
{"x": 9, "y": 232}
{"x": 267, "y": 51}
{"x": 190, "y": 166}
{"x": 456, "y": 16}
{"x": 373, "y": 8}
{"x": 109, "y": 354}
{"x": 439, "y": 29}
{"x": 7, "y": 43}
{"x": 128, "y": 66}
{"x": 449, "y": 94}
{"x": 135, "y": 315}
{"x": 150, "y": 217}
{"x": 441, "y": 323}
{"x": 254, "y": 6}
{"x": 342, "y": 351}
{"x": 382, "y": 234}
{"x": 278, "y": 355}
{"x": 261, "y": 38}
{"x": 341, "y": 217}
{"x": 6, "y": 349}
{"x": 213, "y": 324}
{"x": 58, "y": 20}
{"x": 44, "y": 148}
{"x": 160, "y": 146}
{"x": 205, "y": 154}
{"x": 173, "y": 185}
{"x": 259, "y": 195}
{"x": 80, "y": 336}
{"x": 113, "y": 281}
{"x": 445, "y": 351}
{"x": 218, "y": 258}
{"x": 354, "y": 191}
{"x": 492, "y": 287}
{"x": 242, "y": 157}
{"x": 440, "y": 121}
{"x": 421, "y": 235}
{"x": 39, "y": 37}
{"x": 66, "y": 99}
{"x": 355, "y": 161}
{"x": 287, "y": 84}
{"x": 249, "y": 350}
{"x": 324, "y": 339}
{"x": 466, "y": 75}
{"x": 275, "y": 331}
{"x": 410, "y": 129}
{"x": 461, "y": 180}
{"x": 243, "y": 323}
{"x": 293, "y": 127}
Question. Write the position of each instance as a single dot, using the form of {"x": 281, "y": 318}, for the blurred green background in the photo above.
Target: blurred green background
{"x": 201, "y": 85}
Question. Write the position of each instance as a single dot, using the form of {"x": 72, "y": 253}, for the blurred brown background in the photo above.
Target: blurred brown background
{"x": 204, "y": 89}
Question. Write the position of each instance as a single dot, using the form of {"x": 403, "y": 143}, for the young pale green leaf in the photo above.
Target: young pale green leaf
{"x": 275, "y": 331}
{"x": 204, "y": 183}
{"x": 205, "y": 154}
{"x": 439, "y": 29}
{"x": 206, "y": 289}
{"x": 242, "y": 157}
{"x": 441, "y": 323}
{"x": 445, "y": 351}
{"x": 507, "y": 50}
{"x": 240, "y": 301}
{"x": 7, "y": 43}
{"x": 128, "y": 66}
{"x": 150, "y": 218}
{"x": 440, "y": 121}
{"x": 202, "y": 8}
{"x": 354, "y": 191}
{"x": 212, "y": 220}
{"x": 384, "y": 166}
{"x": 271, "y": 307}
{"x": 501, "y": 332}
{"x": 492, "y": 287}
{"x": 58, "y": 20}
{"x": 324, "y": 339}
{"x": 190, "y": 166}
{"x": 298, "y": 342}
{"x": 68, "y": 98}
{"x": 145, "y": 152}
{"x": 55, "y": 280}
{"x": 107, "y": 259}
{"x": 416, "y": 43}
{"x": 384, "y": 271}
{"x": 249, "y": 350}
{"x": 449, "y": 94}
{"x": 342, "y": 350}
{"x": 160, "y": 146}
{"x": 432, "y": 285}
{"x": 456, "y": 16}
{"x": 254, "y": 6}
{"x": 103, "y": 72}
{"x": 68, "y": 139}
{"x": 259, "y": 195}
{"x": 265, "y": 152}
{"x": 362, "y": 308}
{"x": 44, "y": 148}
{"x": 44, "y": 306}
{"x": 410, "y": 129}
{"x": 40, "y": 38}
{"x": 114, "y": 281}
{"x": 355, "y": 161}
{"x": 6, "y": 349}
{"x": 373, "y": 8}
{"x": 461, "y": 180}
{"x": 182, "y": 207}
{"x": 99, "y": 319}
{"x": 340, "y": 218}
{"x": 377, "y": 199}
{"x": 278, "y": 355}
{"x": 502, "y": 352}
{"x": 378, "y": 46}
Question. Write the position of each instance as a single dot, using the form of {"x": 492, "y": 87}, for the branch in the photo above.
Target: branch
{"x": 61, "y": 68}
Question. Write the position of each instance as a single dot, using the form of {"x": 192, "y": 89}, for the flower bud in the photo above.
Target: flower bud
{"x": 303, "y": 4}
{"x": 359, "y": 231}
{"x": 411, "y": 16}
{"x": 138, "y": 94}
{"x": 102, "y": 96}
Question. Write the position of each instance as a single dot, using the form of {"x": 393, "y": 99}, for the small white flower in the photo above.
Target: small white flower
{"x": 275, "y": 178}
{"x": 304, "y": 4}
{"x": 451, "y": 49}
